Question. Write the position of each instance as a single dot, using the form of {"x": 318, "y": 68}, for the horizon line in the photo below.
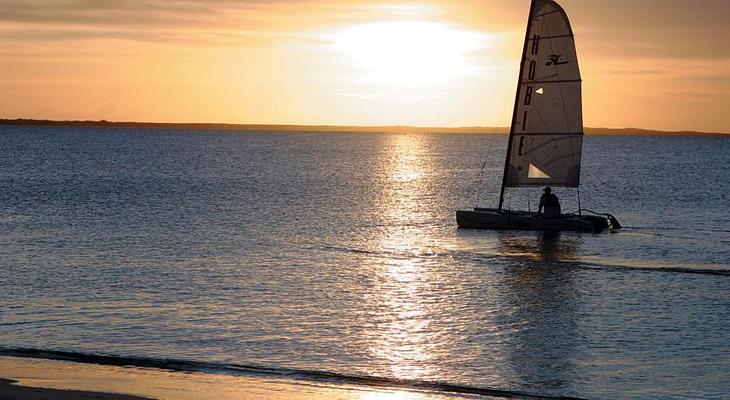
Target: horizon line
{"x": 334, "y": 128}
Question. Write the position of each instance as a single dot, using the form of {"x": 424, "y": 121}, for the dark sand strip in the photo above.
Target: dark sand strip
{"x": 9, "y": 391}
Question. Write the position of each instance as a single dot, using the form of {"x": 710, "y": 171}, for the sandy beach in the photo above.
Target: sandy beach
{"x": 39, "y": 379}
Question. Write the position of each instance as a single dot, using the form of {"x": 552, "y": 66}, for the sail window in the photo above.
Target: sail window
{"x": 535, "y": 172}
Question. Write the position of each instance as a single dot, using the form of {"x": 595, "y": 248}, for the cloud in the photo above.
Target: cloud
{"x": 181, "y": 37}
{"x": 190, "y": 22}
{"x": 193, "y": 22}
{"x": 243, "y": 14}
{"x": 620, "y": 28}
{"x": 115, "y": 12}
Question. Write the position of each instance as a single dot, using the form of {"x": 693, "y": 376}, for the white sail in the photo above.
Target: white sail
{"x": 547, "y": 127}
{"x": 546, "y": 137}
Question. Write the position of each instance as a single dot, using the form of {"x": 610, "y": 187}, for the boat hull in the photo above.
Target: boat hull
{"x": 494, "y": 219}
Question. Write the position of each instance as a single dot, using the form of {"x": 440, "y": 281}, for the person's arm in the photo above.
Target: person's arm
{"x": 542, "y": 203}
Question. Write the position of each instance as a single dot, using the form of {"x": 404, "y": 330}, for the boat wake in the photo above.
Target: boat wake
{"x": 555, "y": 260}
{"x": 269, "y": 372}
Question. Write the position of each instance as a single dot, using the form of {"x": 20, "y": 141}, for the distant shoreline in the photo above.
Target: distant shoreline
{"x": 332, "y": 128}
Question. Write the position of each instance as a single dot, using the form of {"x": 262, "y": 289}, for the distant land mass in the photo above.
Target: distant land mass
{"x": 332, "y": 128}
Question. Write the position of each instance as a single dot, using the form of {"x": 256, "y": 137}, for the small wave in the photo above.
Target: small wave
{"x": 669, "y": 228}
{"x": 682, "y": 233}
{"x": 347, "y": 249}
{"x": 407, "y": 253}
{"x": 237, "y": 369}
{"x": 635, "y": 231}
{"x": 598, "y": 263}
{"x": 645, "y": 265}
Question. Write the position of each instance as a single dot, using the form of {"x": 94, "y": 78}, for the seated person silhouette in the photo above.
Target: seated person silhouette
{"x": 550, "y": 202}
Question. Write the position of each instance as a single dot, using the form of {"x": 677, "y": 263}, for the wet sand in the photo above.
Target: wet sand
{"x": 70, "y": 380}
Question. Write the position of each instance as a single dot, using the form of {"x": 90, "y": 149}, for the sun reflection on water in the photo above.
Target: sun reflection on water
{"x": 406, "y": 167}
{"x": 408, "y": 184}
{"x": 405, "y": 340}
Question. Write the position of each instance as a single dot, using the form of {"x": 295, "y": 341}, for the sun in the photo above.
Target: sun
{"x": 408, "y": 53}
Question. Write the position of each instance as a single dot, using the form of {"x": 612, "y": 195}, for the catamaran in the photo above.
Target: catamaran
{"x": 546, "y": 134}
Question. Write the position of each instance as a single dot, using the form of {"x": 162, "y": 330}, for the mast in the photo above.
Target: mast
{"x": 517, "y": 100}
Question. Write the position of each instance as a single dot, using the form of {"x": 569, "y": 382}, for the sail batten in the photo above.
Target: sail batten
{"x": 547, "y": 125}
{"x": 553, "y": 81}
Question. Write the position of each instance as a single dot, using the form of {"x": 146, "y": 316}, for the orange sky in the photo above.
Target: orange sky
{"x": 658, "y": 64}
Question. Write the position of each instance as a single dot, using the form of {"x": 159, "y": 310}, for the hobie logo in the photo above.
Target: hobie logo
{"x": 555, "y": 60}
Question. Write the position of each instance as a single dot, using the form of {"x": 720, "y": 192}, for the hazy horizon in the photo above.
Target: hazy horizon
{"x": 659, "y": 65}
{"x": 328, "y": 127}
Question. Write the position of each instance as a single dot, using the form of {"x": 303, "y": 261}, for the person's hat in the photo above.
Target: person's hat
{"x": 547, "y": 189}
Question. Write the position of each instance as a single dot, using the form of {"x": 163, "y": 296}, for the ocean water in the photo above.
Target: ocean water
{"x": 336, "y": 255}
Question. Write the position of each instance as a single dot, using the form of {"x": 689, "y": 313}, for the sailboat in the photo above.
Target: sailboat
{"x": 546, "y": 134}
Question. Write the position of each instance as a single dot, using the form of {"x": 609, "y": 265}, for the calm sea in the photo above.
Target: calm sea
{"x": 317, "y": 253}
